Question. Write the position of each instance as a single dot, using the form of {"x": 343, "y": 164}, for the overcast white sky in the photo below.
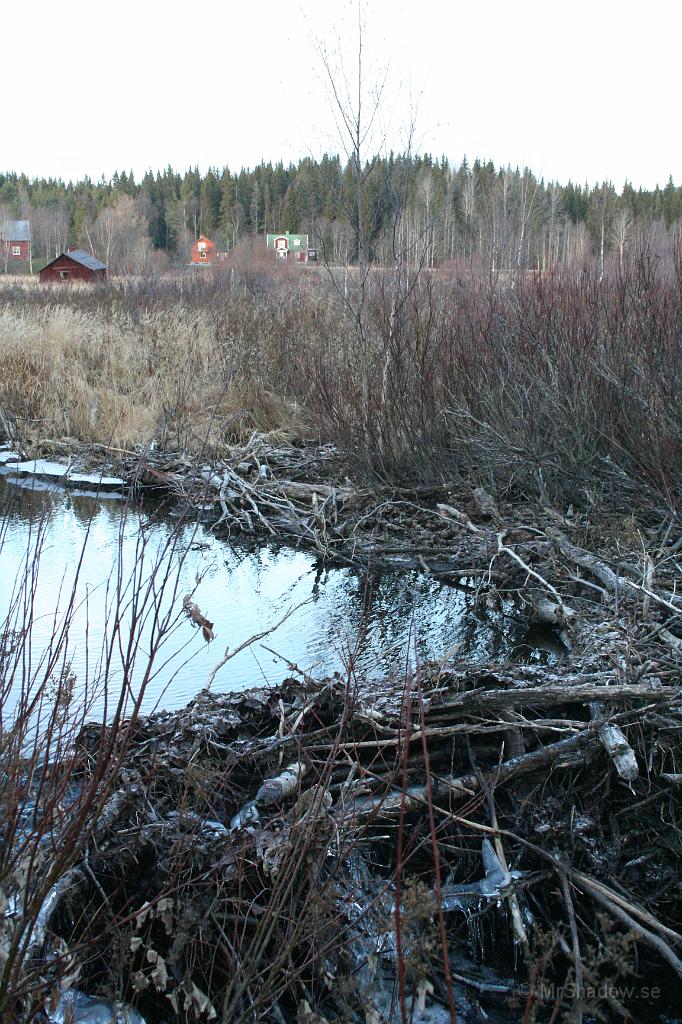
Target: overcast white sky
{"x": 583, "y": 89}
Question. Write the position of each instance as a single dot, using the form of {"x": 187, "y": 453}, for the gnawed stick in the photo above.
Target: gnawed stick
{"x": 632, "y": 909}
{"x": 272, "y": 791}
{"x": 611, "y": 580}
{"x": 614, "y": 742}
{"x": 518, "y": 926}
{"x": 639, "y": 931}
{"x": 252, "y": 640}
{"x": 555, "y": 693}
{"x": 462, "y": 787}
{"x": 450, "y": 512}
{"x": 575, "y": 943}
{"x": 671, "y": 640}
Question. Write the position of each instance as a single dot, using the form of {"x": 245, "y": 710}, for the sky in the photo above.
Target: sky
{"x": 589, "y": 90}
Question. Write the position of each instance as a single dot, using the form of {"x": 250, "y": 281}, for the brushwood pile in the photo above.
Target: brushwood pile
{"x": 464, "y": 842}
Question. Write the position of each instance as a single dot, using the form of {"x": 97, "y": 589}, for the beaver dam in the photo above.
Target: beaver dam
{"x": 442, "y": 784}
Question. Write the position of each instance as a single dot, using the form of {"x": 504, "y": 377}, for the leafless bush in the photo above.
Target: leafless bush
{"x": 561, "y": 387}
{"x": 51, "y": 808}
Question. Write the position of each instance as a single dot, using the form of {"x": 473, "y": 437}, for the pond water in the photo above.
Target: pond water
{"x": 87, "y": 556}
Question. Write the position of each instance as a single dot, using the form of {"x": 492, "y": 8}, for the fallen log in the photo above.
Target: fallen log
{"x": 611, "y": 580}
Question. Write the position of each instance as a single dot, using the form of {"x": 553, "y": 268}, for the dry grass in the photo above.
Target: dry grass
{"x": 105, "y": 377}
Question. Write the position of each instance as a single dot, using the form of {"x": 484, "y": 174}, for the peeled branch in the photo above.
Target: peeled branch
{"x": 550, "y": 612}
{"x": 272, "y": 791}
{"x": 615, "y": 744}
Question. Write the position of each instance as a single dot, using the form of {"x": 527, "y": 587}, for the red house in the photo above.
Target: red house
{"x": 15, "y": 239}
{"x": 74, "y": 265}
{"x": 204, "y": 250}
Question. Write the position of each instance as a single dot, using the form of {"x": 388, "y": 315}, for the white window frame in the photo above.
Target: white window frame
{"x": 16, "y": 250}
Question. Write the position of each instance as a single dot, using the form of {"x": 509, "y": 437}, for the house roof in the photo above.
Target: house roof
{"x": 78, "y": 256}
{"x": 85, "y": 259}
{"x": 18, "y": 231}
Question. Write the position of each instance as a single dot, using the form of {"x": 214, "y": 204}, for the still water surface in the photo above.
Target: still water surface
{"x": 91, "y": 551}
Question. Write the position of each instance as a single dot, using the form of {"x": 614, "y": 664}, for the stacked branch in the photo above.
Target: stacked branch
{"x": 318, "y": 852}
{"x": 555, "y": 566}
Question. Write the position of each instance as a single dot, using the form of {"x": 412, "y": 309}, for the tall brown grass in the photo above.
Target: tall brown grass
{"x": 102, "y": 376}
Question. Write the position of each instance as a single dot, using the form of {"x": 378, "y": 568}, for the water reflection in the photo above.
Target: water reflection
{"x": 377, "y": 623}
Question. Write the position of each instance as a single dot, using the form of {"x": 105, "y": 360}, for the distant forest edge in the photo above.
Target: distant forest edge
{"x": 498, "y": 218}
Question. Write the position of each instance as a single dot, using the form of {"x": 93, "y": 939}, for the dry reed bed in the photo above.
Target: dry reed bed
{"x": 109, "y": 379}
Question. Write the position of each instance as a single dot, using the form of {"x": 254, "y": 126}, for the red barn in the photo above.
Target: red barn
{"x": 204, "y": 250}
{"x": 15, "y": 239}
{"x": 75, "y": 265}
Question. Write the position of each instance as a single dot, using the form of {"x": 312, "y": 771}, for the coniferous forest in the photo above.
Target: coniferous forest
{"x": 498, "y": 217}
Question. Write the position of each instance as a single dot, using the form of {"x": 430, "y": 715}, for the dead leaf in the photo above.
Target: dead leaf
{"x": 193, "y": 613}
{"x": 139, "y": 981}
{"x": 165, "y": 911}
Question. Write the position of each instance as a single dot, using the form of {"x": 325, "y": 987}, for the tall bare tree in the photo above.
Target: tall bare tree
{"x": 6, "y": 221}
{"x": 50, "y": 229}
{"x": 120, "y": 236}
{"x": 621, "y": 231}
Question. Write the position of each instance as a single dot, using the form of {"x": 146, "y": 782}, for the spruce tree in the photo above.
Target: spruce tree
{"x": 254, "y": 208}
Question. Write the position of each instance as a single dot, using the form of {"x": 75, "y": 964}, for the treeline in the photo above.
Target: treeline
{"x": 426, "y": 209}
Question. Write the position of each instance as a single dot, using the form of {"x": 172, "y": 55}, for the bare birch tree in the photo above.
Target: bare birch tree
{"x": 621, "y": 232}
{"x": 355, "y": 100}
{"x": 50, "y": 229}
{"x": 6, "y": 221}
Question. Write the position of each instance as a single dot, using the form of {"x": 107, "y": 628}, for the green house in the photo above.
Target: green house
{"x": 284, "y": 241}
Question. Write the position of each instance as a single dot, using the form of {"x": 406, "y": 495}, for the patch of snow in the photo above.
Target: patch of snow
{"x": 43, "y": 469}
